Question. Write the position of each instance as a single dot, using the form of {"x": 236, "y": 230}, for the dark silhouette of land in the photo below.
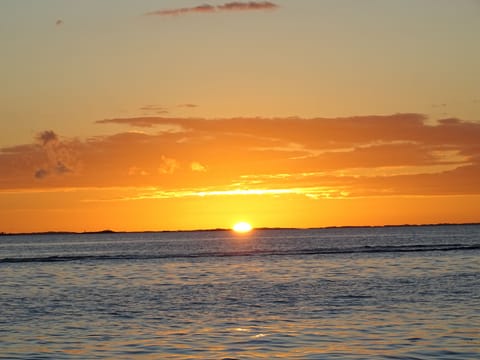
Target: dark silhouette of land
{"x": 108, "y": 231}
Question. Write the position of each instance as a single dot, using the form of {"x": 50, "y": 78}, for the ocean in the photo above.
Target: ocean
{"x": 408, "y": 292}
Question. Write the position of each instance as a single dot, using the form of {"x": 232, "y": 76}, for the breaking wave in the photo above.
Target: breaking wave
{"x": 291, "y": 252}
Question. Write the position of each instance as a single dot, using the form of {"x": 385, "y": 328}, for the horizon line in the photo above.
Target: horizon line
{"x": 109, "y": 231}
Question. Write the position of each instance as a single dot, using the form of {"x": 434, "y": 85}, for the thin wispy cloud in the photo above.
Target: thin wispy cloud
{"x": 154, "y": 109}
{"x": 191, "y": 106}
{"x": 250, "y": 5}
{"x": 182, "y": 11}
{"x": 208, "y": 9}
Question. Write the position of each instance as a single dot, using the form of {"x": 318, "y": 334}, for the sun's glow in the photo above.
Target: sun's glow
{"x": 242, "y": 227}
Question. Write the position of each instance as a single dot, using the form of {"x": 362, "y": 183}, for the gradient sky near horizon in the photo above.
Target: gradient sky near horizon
{"x": 172, "y": 114}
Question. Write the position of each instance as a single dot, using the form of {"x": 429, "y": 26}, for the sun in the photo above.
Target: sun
{"x": 242, "y": 227}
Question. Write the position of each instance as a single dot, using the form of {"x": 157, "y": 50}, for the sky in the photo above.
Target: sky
{"x": 178, "y": 115}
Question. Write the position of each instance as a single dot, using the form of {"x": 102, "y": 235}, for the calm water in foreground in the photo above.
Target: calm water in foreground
{"x": 359, "y": 293}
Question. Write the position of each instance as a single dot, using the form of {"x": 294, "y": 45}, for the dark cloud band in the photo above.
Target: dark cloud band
{"x": 206, "y": 8}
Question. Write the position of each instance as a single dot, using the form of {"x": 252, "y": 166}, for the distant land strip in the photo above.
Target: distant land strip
{"x": 108, "y": 231}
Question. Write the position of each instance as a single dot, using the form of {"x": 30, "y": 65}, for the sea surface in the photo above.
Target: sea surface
{"x": 341, "y": 293}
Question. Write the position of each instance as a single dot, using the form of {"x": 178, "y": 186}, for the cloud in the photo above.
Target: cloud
{"x": 59, "y": 157}
{"x": 61, "y": 168}
{"x": 311, "y": 192}
{"x": 250, "y": 5}
{"x": 41, "y": 173}
{"x": 47, "y": 137}
{"x": 154, "y": 109}
{"x": 196, "y": 166}
{"x": 325, "y": 133}
{"x": 135, "y": 171}
{"x": 138, "y": 121}
{"x": 168, "y": 166}
{"x": 362, "y": 155}
{"x": 389, "y": 155}
{"x": 181, "y": 11}
{"x": 207, "y": 8}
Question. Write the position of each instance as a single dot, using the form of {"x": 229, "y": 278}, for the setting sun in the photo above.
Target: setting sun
{"x": 279, "y": 149}
{"x": 242, "y": 227}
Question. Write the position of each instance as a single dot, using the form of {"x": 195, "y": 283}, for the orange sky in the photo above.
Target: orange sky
{"x": 187, "y": 115}
{"x": 194, "y": 173}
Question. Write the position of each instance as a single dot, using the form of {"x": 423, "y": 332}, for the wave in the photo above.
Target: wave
{"x": 290, "y": 252}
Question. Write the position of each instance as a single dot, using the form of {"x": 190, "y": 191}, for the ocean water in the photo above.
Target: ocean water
{"x": 345, "y": 293}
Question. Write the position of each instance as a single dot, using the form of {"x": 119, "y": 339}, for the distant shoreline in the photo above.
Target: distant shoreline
{"x": 107, "y": 231}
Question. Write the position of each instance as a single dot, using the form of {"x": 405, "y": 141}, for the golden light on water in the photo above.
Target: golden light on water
{"x": 242, "y": 227}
